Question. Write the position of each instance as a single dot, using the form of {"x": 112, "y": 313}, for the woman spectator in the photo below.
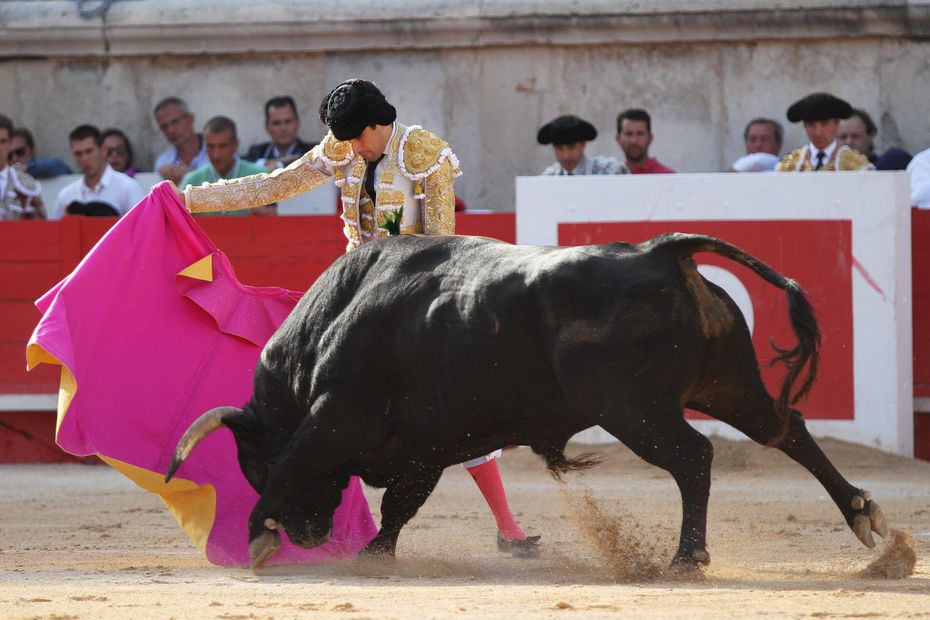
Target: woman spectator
{"x": 119, "y": 151}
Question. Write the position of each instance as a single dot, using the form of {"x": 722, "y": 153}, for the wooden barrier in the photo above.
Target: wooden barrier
{"x": 281, "y": 251}
{"x": 290, "y": 252}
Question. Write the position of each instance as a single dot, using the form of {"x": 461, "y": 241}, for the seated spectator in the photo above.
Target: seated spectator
{"x": 20, "y": 194}
{"x": 282, "y": 124}
{"x": 24, "y": 155}
{"x": 821, "y": 114}
{"x": 920, "y": 179}
{"x": 187, "y": 150}
{"x": 101, "y": 190}
{"x": 219, "y": 134}
{"x": 763, "y": 140}
{"x": 858, "y": 132}
{"x": 634, "y": 135}
{"x": 119, "y": 151}
{"x": 569, "y": 136}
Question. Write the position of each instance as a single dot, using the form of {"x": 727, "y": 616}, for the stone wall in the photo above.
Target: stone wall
{"x": 484, "y": 75}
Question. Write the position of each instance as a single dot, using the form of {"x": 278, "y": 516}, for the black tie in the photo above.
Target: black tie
{"x": 370, "y": 178}
{"x": 820, "y": 156}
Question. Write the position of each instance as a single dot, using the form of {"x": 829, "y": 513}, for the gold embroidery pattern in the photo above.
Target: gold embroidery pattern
{"x": 339, "y": 153}
{"x": 851, "y": 159}
{"x": 353, "y": 207}
{"x": 439, "y": 204}
{"x": 412, "y": 229}
{"x": 421, "y": 151}
{"x": 255, "y": 190}
{"x": 789, "y": 163}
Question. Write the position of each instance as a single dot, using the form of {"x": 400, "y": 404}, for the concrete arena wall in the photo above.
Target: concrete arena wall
{"x": 484, "y": 75}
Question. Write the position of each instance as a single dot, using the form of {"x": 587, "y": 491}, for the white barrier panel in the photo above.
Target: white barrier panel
{"x": 844, "y": 236}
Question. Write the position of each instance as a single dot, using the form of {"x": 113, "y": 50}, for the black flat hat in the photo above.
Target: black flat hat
{"x": 566, "y": 129}
{"x": 819, "y": 107}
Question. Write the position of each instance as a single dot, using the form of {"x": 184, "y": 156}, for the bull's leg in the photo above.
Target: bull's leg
{"x": 753, "y": 413}
{"x": 402, "y": 499}
{"x": 667, "y": 441}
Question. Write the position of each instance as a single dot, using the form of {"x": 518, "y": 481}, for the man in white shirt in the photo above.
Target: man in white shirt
{"x": 920, "y": 180}
{"x": 821, "y": 114}
{"x": 102, "y": 190}
{"x": 20, "y": 194}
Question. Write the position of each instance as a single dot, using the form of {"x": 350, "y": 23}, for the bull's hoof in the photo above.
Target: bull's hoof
{"x": 377, "y": 550}
{"x": 526, "y": 548}
{"x": 689, "y": 568}
{"x": 263, "y": 547}
{"x": 870, "y": 519}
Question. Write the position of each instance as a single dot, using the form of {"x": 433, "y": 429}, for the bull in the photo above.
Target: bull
{"x": 414, "y": 353}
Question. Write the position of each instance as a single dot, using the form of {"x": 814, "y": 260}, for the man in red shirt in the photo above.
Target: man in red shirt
{"x": 634, "y": 135}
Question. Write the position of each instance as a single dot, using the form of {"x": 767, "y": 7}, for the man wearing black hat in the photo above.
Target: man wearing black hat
{"x": 569, "y": 136}
{"x": 821, "y": 114}
{"x": 394, "y": 179}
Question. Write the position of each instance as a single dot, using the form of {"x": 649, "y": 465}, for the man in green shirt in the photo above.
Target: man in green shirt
{"x": 222, "y": 146}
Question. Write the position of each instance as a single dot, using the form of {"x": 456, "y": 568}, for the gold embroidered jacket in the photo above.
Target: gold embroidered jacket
{"x": 843, "y": 159}
{"x": 417, "y": 173}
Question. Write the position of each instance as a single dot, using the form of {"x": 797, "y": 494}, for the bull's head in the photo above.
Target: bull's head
{"x": 299, "y": 502}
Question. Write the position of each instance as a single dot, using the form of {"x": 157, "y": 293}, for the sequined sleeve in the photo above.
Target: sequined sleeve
{"x": 304, "y": 174}
{"x": 439, "y": 203}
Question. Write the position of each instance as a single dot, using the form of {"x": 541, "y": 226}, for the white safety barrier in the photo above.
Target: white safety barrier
{"x": 844, "y": 236}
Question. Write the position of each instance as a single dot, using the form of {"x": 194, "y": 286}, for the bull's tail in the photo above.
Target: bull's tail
{"x": 557, "y": 463}
{"x": 796, "y": 383}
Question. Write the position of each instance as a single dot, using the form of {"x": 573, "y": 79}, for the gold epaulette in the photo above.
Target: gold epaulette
{"x": 789, "y": 163}
{"x": 336, "y": 152}
{"x": 851, "y": 159}
{"x": 422, "y": 153}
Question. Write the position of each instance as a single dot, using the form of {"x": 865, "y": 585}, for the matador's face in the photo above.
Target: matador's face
{"x": 372, "y": 142}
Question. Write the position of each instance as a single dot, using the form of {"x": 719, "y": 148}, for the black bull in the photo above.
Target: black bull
{"x": 414, "y": 353}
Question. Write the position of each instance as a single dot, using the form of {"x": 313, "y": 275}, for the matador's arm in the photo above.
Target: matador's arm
{"x": 439, "y": 202}
{"x": 307, "y": 173}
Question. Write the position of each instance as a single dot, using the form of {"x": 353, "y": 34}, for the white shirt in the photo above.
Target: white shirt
{"x": 920, "y": 179}
{"x": 114, "y": 188}
{"x": 812, "y": 152}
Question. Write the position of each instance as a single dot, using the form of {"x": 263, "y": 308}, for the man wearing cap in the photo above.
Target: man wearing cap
{"x": 394, "y": 179}
{"x": 821, "y": 114}
{"x": 569, "y": 136}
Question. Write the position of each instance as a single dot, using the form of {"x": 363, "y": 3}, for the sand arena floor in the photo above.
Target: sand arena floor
{"x": 83, "y": 542}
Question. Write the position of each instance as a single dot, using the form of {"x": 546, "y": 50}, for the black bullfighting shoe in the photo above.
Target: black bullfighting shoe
{"x": 527, "y": 548}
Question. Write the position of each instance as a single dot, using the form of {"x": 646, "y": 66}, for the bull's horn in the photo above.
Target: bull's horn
{"x": 202, "y": 426}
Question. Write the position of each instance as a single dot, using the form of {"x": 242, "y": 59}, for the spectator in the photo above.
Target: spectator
{"x": 23, "y": 155}
{"x": 219, "y": 134}
{"x": 569, "y": 136}
{"x": 634, "y": 135}
{"x": 821, "y": 114}
{"x": 763, "y": 139}
{"x": 920, "y": 179}
{"x": 20, "y": 194}
{"x": 187, "y": 150}
{"x": 119, "y": 151}
{"x": 101, "y": 190}
{"x": 858, "y": 132}
{"x": 282, "y": 124}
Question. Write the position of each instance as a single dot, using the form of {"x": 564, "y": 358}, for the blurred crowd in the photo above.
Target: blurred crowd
{"x": 840, "y": 138}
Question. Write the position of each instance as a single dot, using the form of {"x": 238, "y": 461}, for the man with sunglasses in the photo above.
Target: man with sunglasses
{"x": 23, "y": 156}
{"x": 20, "y": 194}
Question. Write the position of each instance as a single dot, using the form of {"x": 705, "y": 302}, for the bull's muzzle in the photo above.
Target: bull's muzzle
{"x": 202, "y": 426}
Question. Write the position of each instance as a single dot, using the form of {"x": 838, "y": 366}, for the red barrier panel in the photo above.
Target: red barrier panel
{"x": 290, "y": 252}
{"x": 920, "y": 292}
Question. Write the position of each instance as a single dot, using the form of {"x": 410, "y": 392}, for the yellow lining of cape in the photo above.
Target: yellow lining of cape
{"x": 201, "y": 270}
{"x": 192, "y": 506}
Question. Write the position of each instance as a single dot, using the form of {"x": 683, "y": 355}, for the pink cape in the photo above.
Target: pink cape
{"x": 151, "y": 330}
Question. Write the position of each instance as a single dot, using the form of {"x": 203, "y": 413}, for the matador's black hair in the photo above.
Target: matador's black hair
{"x": 354, "y": 105}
